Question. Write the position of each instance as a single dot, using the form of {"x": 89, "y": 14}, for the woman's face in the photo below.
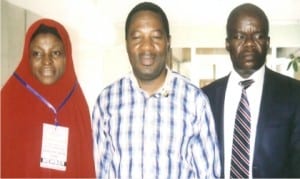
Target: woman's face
{"x": 47, "y": 58}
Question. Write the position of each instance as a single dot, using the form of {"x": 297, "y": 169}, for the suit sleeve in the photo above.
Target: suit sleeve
{"x": 295, "y": 140}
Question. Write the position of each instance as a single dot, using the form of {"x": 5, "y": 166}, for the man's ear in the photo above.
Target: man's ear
{"x": 169, "y": 43}
{"x": 126, "y": 45}
{"x": 227, "y": 46}
{"x": 268, "y": 42}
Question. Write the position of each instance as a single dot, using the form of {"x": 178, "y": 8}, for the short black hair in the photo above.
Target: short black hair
{"x": 147, "y": 6}
{"x": 44, "y": 29}
{"x": 247, "y": 8}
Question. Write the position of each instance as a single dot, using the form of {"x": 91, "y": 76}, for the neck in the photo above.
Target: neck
{"x": 245, "y": 73}
{"x": 151, "y": 86}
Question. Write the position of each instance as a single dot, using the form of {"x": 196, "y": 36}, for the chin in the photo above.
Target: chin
{"x": 47, "y": 81}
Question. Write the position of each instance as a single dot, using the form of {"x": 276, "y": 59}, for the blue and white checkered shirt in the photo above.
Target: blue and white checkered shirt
{"x": 170, "y": 134}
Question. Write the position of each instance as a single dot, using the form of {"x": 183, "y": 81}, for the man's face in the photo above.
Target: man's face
{"x": 147, "y": 45}
{"x": 247, "y": 43}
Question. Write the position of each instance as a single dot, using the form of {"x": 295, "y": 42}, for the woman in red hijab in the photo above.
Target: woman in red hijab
{"x": 45, "y": 121}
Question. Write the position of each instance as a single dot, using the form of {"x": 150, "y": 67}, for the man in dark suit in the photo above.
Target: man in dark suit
{"x": 274, "y": 101}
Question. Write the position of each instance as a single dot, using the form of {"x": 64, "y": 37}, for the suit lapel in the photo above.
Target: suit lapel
{"x": 265, "y": 109}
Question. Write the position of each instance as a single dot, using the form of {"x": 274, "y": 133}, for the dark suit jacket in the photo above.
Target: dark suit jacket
{"x": 277, "y": 144}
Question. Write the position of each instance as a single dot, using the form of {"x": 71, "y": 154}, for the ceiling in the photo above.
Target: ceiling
{"x": 100, "y": 21}
{"x": 208, "y": 11}
{"x": 179, "y": 12}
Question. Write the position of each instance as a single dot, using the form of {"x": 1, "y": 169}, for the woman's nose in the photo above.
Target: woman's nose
{"x": 47, "y": 59}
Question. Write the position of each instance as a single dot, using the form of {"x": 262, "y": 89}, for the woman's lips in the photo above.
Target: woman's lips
{"x": 47, "y": 71}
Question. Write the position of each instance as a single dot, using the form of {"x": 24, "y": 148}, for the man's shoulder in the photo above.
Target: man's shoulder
{"x": 180, "y": 76}
{"x": 185, "y": 82}
{"x": 217, "y": 83}
{"x": 181, "y": 79}
{"x": 280, "y": 78}
{"x": 123, "y": 81}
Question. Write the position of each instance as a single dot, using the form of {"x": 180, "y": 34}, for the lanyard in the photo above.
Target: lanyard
{"x": 44, "y": 100}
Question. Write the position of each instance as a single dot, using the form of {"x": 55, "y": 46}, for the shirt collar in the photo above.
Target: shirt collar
{"x": 257, "y": 76}
{"x": 164, "y": 90}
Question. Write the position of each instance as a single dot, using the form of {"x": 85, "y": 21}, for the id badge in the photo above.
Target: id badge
{"x": 54, "y": 147}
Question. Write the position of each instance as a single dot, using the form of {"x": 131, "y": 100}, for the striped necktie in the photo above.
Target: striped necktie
{"x": 241, "y": 137}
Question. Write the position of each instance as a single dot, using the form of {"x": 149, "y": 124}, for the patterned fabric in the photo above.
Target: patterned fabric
{"x": 241, "y": 138}
{"x": 170, "y": 134}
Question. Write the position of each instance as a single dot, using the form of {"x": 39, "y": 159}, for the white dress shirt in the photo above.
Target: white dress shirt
{"x": 232, "y": 98}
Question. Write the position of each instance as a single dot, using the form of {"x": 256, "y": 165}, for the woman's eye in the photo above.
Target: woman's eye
{"x": 36, "y": 54}
{"x": 57, "y": 53}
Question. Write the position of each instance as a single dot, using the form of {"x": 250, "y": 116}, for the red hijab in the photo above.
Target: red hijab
{"x": 23, "y": 115}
